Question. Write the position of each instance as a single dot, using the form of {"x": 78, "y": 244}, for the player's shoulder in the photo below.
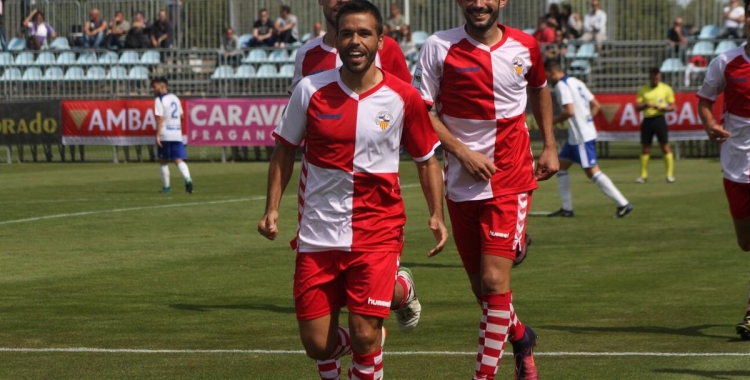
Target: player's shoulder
{"x": 314, "y": 82}
{"x": 520, "y": 36}
{"x": 310, "y": 45}
{"x": 732, "y": 54}
{"x": 446, "y": 38}
{"x": 390, "y": 44}
{"x": 397, "y": 85}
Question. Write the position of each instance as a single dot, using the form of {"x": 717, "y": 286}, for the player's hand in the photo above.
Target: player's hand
{"x": 158, "y": 141}
{"x": 478, "y": 165}
{"x": 717, "y": 133}
{"x": 267, "y": 225}
{"x": 548, "y": 165}
{"x": 441, "y": 235}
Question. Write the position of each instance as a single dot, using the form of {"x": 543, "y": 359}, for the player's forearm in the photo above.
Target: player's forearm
{"x": 431, "y": 180}
{"x": 705, "y": 111}
{"x": 541, "y": 107}
{"x": 449, "y": 142}
{"x": 279, "y": 173}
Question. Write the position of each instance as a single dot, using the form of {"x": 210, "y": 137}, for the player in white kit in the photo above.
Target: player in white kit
{"x": 169, "y": 117}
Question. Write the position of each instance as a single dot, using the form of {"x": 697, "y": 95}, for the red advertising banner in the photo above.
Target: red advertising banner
{"x": 234, "y": 122}
{"x": 619, "y": 120}
{"x": 109, "y": 122}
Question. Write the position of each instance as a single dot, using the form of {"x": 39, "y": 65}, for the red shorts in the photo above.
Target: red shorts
{"x": 493, "y": 226}
{"x": 327, "y": 281}
{"x": 738, "y": 195}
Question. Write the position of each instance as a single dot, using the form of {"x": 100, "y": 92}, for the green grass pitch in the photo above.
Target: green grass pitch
{"x": 92, "y": 256}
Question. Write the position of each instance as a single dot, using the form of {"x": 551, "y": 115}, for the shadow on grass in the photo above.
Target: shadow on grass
{"x": 430, "y": 265}
{"x": 683, "y": 331}
{"x": 706, "y": 374}
{"x": 264, "y": 307}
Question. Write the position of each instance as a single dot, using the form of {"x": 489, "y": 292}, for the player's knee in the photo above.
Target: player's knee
{"x": 364, "y": 339}
{"x": 317, "y": 349}
{"x": 493, "y": 282}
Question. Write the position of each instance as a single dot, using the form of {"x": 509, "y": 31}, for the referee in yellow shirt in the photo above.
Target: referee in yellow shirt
{"x": 655, "y": 99}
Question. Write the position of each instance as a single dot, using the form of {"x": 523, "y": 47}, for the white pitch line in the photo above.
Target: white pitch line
{"x": 84, "y": 213}
{"x": 391, "y": 353}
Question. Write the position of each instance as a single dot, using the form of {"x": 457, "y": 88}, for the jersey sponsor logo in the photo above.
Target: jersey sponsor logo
{"x": 518, "y": 64}
{"x": 328, "y": 116}
{"x": 384, "y": 119}
{"x": 471, "y": 69}
{"x": 736, "y": 79}
{"x": 499, "y": 234}
{"x": 417, "y": 81}
{"x": 380, "y": 303}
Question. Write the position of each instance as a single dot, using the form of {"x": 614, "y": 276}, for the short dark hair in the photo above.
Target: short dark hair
{"x": 654, "y": 71}
{"x": 360, "y": 6}
{"x": 159, "y": 80}
{"x": 40, "y": 13}
{"x": 286, "y": 8}
{"x": 262, "y": 10}
{"x": 118, "y": 13}
{"x": 551, "y": 64}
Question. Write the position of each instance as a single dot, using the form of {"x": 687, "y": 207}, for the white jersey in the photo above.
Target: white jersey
{"x": 169, "y": 108}
{"x": 581, "y": 127}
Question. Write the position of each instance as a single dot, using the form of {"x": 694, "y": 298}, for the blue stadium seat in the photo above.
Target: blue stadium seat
{"x": 25, "y": 58}
{"x": 96, "y": 73}
{"x": 129, "y": 57}
{"x": 279, "y": 55}
{"x": 672, "y": 65}
{"x": 256, "y": 56}
{"x": 293, "y": 55}
{"x": 306, "y": 37}
{"x": 223, "y": 72}
{"x": 53, "y": 74}
{"x": 529, "y": 31}
{"x": 571, "y": 52}
{"x": 419, "y": 38}
{"x": 60, "y": 43}
{"x": 138, "y": 73}
{"x": 17, "y": 44}
{"x": 86, "y": 59}
{"x": 45, "y": 59}
{"x": 108, "y": 58}
{"x": 6, "y": 59}
{"x": 245, "y": 72}
{"x": 724, "y": 46}
{"x": 286, "y": 71}
{"x": 32, "y": 74}
{"x": 579, "y": 67}
{"x": 704, "y": 48}
{"x": 74, "y": 73}
{"x": 244, "y": 39}
{"x": 586, "y": 51}
{"x": 708, "y": 32}
{"x": 117, "y": 72}
{"x": 150, "y": 57}
{"x": 11, "y": 73}
{"x": 67, "y": 58}
{"x": 267, "y": 71}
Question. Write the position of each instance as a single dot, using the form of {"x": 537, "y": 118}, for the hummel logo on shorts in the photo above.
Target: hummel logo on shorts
{"x": 499, "y": 234}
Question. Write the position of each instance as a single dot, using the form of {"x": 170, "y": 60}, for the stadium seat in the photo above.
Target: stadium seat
{"x": 25, "y": 59}
{"x": 96, "y": 73}
{"x": 245, "y": 72}
{"x": 150, "y": 57}
{"x": 279, "y": 55}
{"x": 32, "y": 74}
{"x": 286, "y": 71}
{"x": 708, "y": 32}
{"x": 138, "y": 73}
{"x": 129, "y": 57}
{"x": 529, "y": 31}
{"x": 108, "y": 58}
{"x": 579, "y": 67}
{"x": 60, "y": 43}
{"x": 45, "y": 59}
{"x": 117, "y": 72}
{"x": 11, "y": 73}
{"x": 306, "y": 37}
{"x": 704, "y": 48}
{"x": 586, "y": 51}
{"x": 256, "y": 56}
{"x": 293, "y": 55}
{"x": 74, "y": 73}
{"x": 419, "y": 37}
{"x": 571, "y": 52}
{"x": 672, "y": 65}
{"x": 266, "y": 71}
{"x": 53, "y": 74}
{"x": 67, "y": 58}
{"x": 244, "y": 39}
{"x": 86, "y": 59}
{"x": 17, "y": 44}
{"x": 6, "y": 59}
{"x": 223, "y": 72}
{"x": 724, "y": 46}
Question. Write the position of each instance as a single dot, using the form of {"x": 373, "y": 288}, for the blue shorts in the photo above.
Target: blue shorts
{"x": 171, "y": 150}
{"x": 584, "y": 154}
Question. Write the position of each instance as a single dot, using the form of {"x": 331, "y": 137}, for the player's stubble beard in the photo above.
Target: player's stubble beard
{"x": 485, "y": 26}
{"x": 354, "y": 69}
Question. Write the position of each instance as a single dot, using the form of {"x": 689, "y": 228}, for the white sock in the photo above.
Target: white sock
{"x": 165, "y": 175}
{"x": 184, "y": 171}
{"x": 563, "y": 184}
{"x": 609, "y": 189}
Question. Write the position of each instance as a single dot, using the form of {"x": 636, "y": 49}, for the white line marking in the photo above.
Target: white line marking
{"x": 393, "y": 353}
{"x": 84, "y": 213}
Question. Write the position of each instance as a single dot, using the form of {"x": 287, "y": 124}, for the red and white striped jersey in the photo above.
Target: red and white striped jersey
{"x": 314, "y": 57}
{"x": 480, "y": 95}
{"x": 349, "y": 193}
{"x": 730, "y": 73}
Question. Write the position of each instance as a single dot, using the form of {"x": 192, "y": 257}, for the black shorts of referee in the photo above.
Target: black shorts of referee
{"x": 654, "y": 126}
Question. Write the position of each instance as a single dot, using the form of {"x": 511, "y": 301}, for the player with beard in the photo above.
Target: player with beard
{"x": 320, "y": 54}
{"x": 351, "y": 215}
{"x": 479, "y": 77}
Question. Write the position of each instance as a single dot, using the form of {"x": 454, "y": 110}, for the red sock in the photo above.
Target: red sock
{"x": 367, "y": 367}
{"x": 517, "y": 329}
{"x": 330, "y": 369}
{"x": 493, "y": 334}
{"x": 407, "y": 289}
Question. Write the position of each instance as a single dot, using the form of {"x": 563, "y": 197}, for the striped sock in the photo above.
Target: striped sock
{"x": 493, "y": 334}
{"x": 517, "y": 329}
{"x": 367, "y": 366}
{"x": 406, "y": 284}
{"x": 330, "y": 369}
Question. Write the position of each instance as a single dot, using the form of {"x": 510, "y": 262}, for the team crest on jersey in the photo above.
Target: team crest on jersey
{"x": 518, "y": 65}
{"x": 384, "y": 119}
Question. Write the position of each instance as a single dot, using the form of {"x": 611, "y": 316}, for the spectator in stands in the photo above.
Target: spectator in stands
{"x": 545, "y": 33}
{"x": 3, "y": 40}
{"x": 40, "y": 31}
{"x": 138, "y": 35}
{"x": 94, "y": 30}
{"x": 161, "y": 32}
{"x": 554, "y": 12}
{"x": 118, "y": 30}
{"x": 677, "y": 36}
{"x": 231, "y": 51}
{"x": 734, "y": 17}
{"x": 558, "y": 49}
{"x": 286, "y": 27}
{"x": 317, "y": 30}
{"x": 595, "y": 25}
{"x": 263, "y": 31}
{"x": 571, "y": 24}
{"x": 175, "y": 14}
{"x": 396, "y": 23}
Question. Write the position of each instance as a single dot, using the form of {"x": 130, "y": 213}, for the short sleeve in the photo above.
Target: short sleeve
{"x": 429, "y": 71}
{"x": 158, "y": 108}
{"x": 564, "y": 94}
{"x": 419, "y": 137}
{"x": 536, "y": 76}
{"x": 293, "y": 126}
{"x": 714, "y": 82}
